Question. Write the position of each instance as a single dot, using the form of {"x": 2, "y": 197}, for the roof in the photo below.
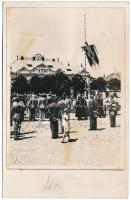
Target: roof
{"x": 116, "y": 75}
{"x": 30, "y": 64}
{"x": 84, "y": 71}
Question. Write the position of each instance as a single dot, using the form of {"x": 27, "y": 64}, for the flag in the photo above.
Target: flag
{"x": 91, "y": 54}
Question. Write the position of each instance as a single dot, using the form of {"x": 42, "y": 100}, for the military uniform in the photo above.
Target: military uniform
{"x": 53, "y": 116}
{"x": 32, "y": 105}
{"x": 41, "y": 107}
{"x": 16, "y": 113}
{"x": 113, "y": 105}
{"x": 93, "y": 114}
{"x": 81, "y": 108}
{"x": 100, "y": 106}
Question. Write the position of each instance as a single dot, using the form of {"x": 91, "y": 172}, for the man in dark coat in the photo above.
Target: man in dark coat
{"x": 93, "y": 113}
{"x": 53, "y": 116}
{"x": 81, "y": 108}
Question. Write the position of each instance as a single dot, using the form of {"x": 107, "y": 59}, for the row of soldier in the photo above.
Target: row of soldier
{"x": 58, "y": 111}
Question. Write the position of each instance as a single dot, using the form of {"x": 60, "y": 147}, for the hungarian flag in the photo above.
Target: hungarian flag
{"x": 91, "y": 54}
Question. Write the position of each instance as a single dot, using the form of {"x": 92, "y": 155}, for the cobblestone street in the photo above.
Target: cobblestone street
{"x": 92, "y": 149}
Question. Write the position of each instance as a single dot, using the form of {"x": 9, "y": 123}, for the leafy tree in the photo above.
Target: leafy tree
{"x": 20, "y": 85}
{"x": 98, "y": 84}
{"x": 114, "y": 84}
{"x": 35, "y": 85}
{"x": 78, "y": 84}
{"x": 62, "y": 83}
{"x": 48, "y": 84}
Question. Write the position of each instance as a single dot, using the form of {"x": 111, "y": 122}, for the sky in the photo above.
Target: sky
{"x": 59, "y": 33}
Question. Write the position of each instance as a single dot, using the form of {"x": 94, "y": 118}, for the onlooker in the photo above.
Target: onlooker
{"x": 66, "y": 125}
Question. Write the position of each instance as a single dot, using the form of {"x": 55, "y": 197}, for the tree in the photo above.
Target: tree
{"x": 98, "y": 84}
{"x": 78, "y": 84}
{"x": 20, "y": 85}
{"x": 35, "y": 85}
{"x": 62, "y": 83}
{"x": 114, "y": 84}
{"x": 48, "y": 84}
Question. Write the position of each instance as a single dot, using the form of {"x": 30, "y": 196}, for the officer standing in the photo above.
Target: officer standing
{"x": 93, "y": 113}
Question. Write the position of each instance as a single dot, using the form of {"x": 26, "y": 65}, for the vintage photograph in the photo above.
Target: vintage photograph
{"x": 66, "y": 87}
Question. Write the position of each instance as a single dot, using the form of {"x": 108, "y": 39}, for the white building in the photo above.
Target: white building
{"x": 36, "y": 65}
{"x": 41, "y": 66}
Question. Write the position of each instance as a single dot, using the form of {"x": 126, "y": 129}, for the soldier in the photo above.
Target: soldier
{"x": 41, "y": 107}
{"x": 53, "y": 116}
{"x": 113, "y": 106}
{"x": 81, "y": 108}
{"x": 100, "y": 106}
{"x": 17, "y": 116}
{"x": 32, "y": 105}
{"x": 23, "y": 108}
{"x": 78, "y": 108}
{"x": 93, "y": 113}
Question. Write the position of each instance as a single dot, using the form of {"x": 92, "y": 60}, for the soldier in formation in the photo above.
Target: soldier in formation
{"x": 81, "y": 108}
{"x": 42, "y": 107}
{"x": 53, "y": 117}
{"x": 32, "y": 105}
{"x": 17, "y": 117}
{"x": 57, "y": 109}
{"x": 93, "y": 113}
{"x": 113, "y": 107}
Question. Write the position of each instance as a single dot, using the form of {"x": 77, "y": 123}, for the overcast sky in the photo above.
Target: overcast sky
{"x": 59, "y": 33}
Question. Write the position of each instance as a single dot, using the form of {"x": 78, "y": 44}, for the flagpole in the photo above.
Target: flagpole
{"x": 85, "y": 35}
{"x": 85, "y": 52}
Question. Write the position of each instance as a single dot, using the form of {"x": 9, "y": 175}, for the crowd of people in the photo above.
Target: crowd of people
{"x": 57, "y": 110}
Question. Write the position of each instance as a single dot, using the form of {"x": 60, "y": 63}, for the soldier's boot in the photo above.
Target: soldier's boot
{"x": 68, "y": 135}
{"x": 16, "y": 135}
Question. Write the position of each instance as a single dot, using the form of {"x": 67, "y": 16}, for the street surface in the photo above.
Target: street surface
{"x": 90, "y": 149}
